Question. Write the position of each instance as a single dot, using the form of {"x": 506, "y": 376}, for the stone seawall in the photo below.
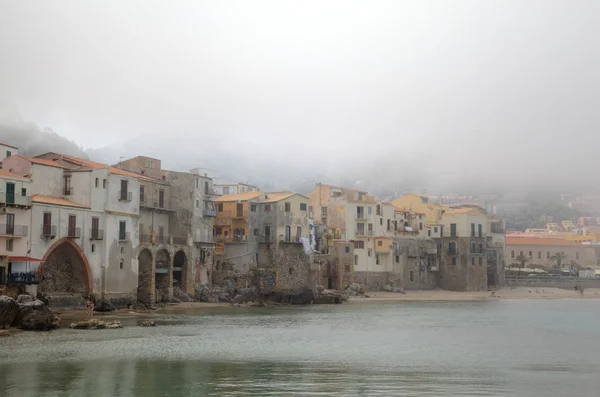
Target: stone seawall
{"x": 550, "y": 283}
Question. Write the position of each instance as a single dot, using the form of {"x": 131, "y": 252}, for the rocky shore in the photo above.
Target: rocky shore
{"x": 26, "y": 313}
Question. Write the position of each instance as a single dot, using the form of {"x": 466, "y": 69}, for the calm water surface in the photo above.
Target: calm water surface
{"x": 503, "y": 348}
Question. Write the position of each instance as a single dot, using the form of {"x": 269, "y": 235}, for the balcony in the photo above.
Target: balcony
{"x": 14, "y": 200}
{"x": 146, "y": 239}
{"x": 124, "y": 236}
{"x": 48, "y": 231}
{"x": 162, "y": 239}
{"x": 13, "y": 230}
{"x": 96, "y": 234}
{"x": 362, "y": 232}
{"x": 179, "y": 240}
{"x": 124, "y": 196}
{"x": 68, "y": 191}
{"x": 74, "y": 232}
{"x": 361, "y": 217}
{"x": 210, "y": 213}
{"x": 291, "y": 239}
{"x": 20, "y": 279}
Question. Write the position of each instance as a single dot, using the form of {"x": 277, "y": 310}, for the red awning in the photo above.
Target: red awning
{"x": 23, "y": 259}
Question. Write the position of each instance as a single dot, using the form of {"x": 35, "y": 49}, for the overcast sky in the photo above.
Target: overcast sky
{"x": 464, "y": 89}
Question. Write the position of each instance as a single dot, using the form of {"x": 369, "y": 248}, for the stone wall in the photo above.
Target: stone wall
{"x": 373, "y": 281}
{"x": 463, "y": 276}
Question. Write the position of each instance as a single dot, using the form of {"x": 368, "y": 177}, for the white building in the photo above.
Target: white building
{"x": 223, "y": 187}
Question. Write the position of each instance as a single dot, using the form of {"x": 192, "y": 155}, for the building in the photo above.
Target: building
{"x": 463, "y": 246}
{"x": 541, "y": 251}
{"x": 421, "y": 204}
{"x": 7, "y": 151}
{"x": 224, "y": 187}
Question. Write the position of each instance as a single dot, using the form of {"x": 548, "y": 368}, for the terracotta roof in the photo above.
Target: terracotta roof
{"x": 98, "y": 166}
{"x": 35, "y": 160}
{"x": 37, "y": 198}
{"x": 512, "y": 240}
{"x": 274, "y": 197}
{"x": 4, "y": 144}
{"x": 6, "y": 174}
{"x": 239, "y": 197}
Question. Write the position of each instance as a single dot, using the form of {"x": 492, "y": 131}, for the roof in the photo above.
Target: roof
{"x": 4, "y": 144}
{"x": 23, "y": 259}
{"x": 6, "y": 174}
{"x": 95, "y": 166}
{"x": 239, "y": 197}
{"x": 464, "y": 210}
{"x": 35, "y": 160}
{"x": 342, "y": 188}
{"x": 407, "y": 211}
{"x": 37, "y": 198}
{"x": 277, "y": 196}
{"x": 513, "y": 240}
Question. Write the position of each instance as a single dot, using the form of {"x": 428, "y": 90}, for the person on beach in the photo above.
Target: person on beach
{"x": 90, "y": 307}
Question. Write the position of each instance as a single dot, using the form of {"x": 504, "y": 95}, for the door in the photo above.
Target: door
{"x": 10, "y": 193}
{"x": 298, "y": 233}
{"x": 47, "y": 225}
{"x": 10, "y": 224}
{"x": 329, "y": 283}
{"x": 95, "y": 227}
{"x": 72, "y": 226}
{"x": 124, "y": 188}
{"x": 240, "y": 210}
{"x": 122, "y": 230}
{"x": 288, "y": 233}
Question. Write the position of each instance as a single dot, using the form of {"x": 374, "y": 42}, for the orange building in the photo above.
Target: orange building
{"x": 233, "y": 217}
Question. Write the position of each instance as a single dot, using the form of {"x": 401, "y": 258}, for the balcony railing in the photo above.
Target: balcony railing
{"x": 359, "y": 232}
{"x": 211, "y": 213}
{"x": 146, "y": 238}
{"x": 19, "y": 201}
{"x": 125, "y": 196}
{"x": 73, "y": 232}
{"x": 162, "y": 239}
{"x": 96, "y": 234}
{"x": 48, "y": 231}
{"x": 124, "y": 236}
{"x": 13, "y": 230}
{"x": 22, "y": 278}
{"x": 291, "y": 239}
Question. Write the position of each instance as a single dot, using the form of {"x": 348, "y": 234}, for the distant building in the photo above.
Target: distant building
{"x": 223, "y": 187}
{"x": 540, "y": 251}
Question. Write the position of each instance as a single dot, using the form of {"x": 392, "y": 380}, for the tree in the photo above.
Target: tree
{"x": 523, "y": 259}
{"x": 559, "y": 258}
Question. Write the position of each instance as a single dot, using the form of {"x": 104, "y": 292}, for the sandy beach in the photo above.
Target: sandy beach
{"x": 515, "y": 293}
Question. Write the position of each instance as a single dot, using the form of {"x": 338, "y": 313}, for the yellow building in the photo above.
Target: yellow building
{"x": 418, "y": 203}
{"x": 231, "y": 222}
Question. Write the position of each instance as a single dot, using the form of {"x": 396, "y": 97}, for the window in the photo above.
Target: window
{"x": 253, "y": 208}
{"x": 324, "y": 210}
{"x": 67, "y": 185}
{"x": 452, "y": 247}
{"x": 104, "y": 183}
{"x": 219, "y": 231}
{"x": 480, "y": 248}
{"x": 9, "y": 244}
{"x": 355, "y": 260}
{"x": 539, "y": 254}
{"x": 411, "y": 276}
{"x": 453, "y": 261}
{"x": 267, "y": 207}
{"x": 10, "y": 224}
{"x": 291, "y": 270}
{"x": 256, "y": 232}
{"x": 93, "y": 247}
{"x": 97, "y": 182}
{"x": 369, "y": 252}
{"x": 124, "y": 187}
{"x": 480, "y": 230}
{"x": 530, "y": 254}
{"x": 161, "y": 233}
{"x": 161, "y": 198}
{"x": 23, "y": 192}
{"x": 369, "y": 210}
{"x": 473, "y": 261}
{"x": 8, "y": 153}
{"x": 380, "y": 221}
{"x": 380, "y": 243}
{"x": 142, "y": 195}
{"x": 397, "y": 258}
{"x": 472, "y": 230}
{"x": 288, "y": 207}
{"x": 197, "y": 203}
{"x": 389, "y": 224}
{"x": 435, "y": 229}
{"x": 121, "y": 263}
{"x": 225, "y": 189}
{"x": 302, "y": 206}
{"x": 148, "y": 163}
{"x": 577, "y": 255}
{"x": 453, "y": 230}
{"x": 206, "y": 188}
{"x": 429, "y": 233}
{"x": 377, "y": 259}
{"x": 347, "y": 249}
{"x": 359, "y": 244}
{"x": 473, "y": 248}
{"x": 72, "y": 232}
{"x": 122, "y": 250}
{"x": 197, "y": 183}
{"x": 480, "y": 261}
{"x": 239, "y": 210}
{"x": 122, "y": 230}
{"x": 547, "y": 254}
{"x": 47, "y": 224}
{"x": 220, "y": 207}
{"x": 267, "y": 232}
{"x": 420, "y": 225}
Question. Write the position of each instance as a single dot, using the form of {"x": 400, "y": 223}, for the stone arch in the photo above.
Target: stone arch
{"x": 180, "y": 268}
{"x": 65, "y": 268}
{"x": 161, "y": 274}
{"x": 145, "y": 291}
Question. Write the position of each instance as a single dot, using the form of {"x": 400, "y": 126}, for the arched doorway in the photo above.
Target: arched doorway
{"x": 65, "y": 268}
{"x": 144, "y": 291}
{"x": 161, "y": 275}
{"x": 180, "y": 271}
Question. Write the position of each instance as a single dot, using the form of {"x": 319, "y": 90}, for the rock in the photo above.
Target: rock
{"x": 202, "y": 294}
{"x": 103, "y": 305}
{"x": 149, "y": 323}
{"x": 350, "y": 292}
{"x": 240, "y": 299}
{"x": 9, "y": 309}
{"x": 94, "y": 323}
{"x": 399, "y": 290}
{"x": 388, "y": 288}
{"x": 354, "y": 287}
{"x": 224, "y": 297}
{"x": 23, "y": 298}
{"x": 212, "y": 299}
{"x": 319, "y": 289}
{"x": 181, "y": 296}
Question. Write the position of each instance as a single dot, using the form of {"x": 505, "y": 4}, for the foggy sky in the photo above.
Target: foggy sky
{"x": 436, "y": 94}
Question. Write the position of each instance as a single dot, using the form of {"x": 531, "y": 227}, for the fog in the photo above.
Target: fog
{"x": 395, "y": 95}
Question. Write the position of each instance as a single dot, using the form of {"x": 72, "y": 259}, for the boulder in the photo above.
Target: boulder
{"x": 202, "y": 294}
{"x": 399, "y": 290}
{"x": 9, "y": 309}
{"x": 354, "y": 287}
{"x": 149, "y": 323}
{"x": 181, "y": 296}
{"x": 94, "y": 323}
{"x": 24, "y": 298}
{"x": 388, "y": 288}
{"x": 224, "y": 297}
{"x": 319, "y": 289}
{"x": 103, "y": 305}
{"x": 35, "y": 316}
{"x": 350, "y": 292}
